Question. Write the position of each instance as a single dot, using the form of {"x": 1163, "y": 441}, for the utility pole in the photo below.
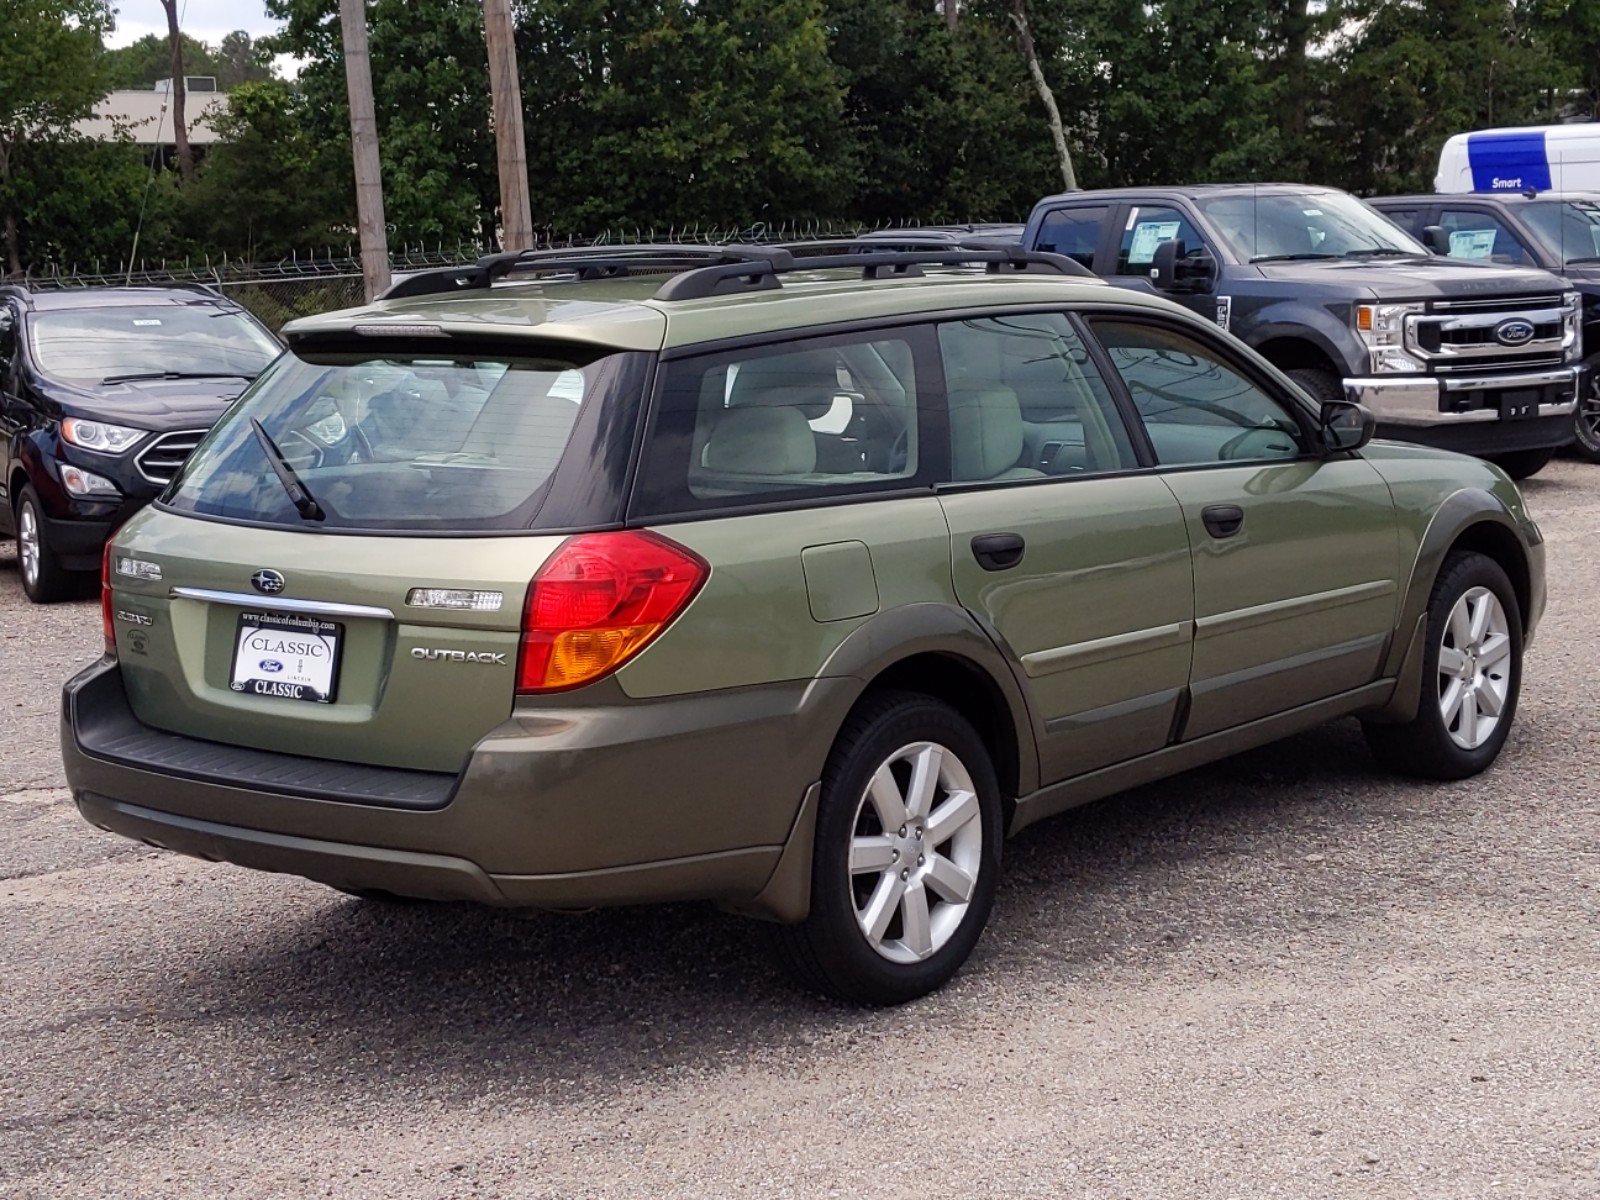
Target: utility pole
{"x": 364, "y": 148}
{"x": 180, "y": 128}
{"x": 516, "y": 209}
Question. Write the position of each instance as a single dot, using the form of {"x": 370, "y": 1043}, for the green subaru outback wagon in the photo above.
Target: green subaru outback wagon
{"x": 792, "y": 582}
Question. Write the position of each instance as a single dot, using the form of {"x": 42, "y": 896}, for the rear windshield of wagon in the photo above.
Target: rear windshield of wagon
{"x": 425, "y": 441}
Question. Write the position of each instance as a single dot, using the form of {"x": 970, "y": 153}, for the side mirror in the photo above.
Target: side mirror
{"x": 1173, "y": 269}
{"x": 8, "y": 338}
{"x": 1345, "y": 425}
{"x": 1437, "y": 239}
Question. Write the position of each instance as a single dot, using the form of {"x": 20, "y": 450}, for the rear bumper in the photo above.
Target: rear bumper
{"x": 1413, "y": 407}
{"x": 694, "y": 798}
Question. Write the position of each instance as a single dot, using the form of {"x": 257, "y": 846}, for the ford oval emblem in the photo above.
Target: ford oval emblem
{"x": 1515, "y": 332}
{"x": 267, "y": 581}
{"x": 271, "y": 666}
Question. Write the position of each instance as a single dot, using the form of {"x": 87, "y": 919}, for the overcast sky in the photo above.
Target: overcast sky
{"x": 207, "y": 20}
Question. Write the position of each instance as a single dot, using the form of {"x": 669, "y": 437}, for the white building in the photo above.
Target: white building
{"x": 147, "y": 116}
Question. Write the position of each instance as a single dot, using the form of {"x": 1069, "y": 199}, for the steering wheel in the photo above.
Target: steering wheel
{"x": 899, "y": 453}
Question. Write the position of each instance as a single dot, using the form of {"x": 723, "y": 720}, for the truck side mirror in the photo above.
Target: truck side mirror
{"x": 1173, "y": 269}
{"x": 1437, "y": 239}
{"x": 8, "y": 339}
{"x": 1345, "y": 426}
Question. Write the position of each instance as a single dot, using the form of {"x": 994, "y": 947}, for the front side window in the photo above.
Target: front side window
{"x": 95, "y": 346}
{"x": 417, "y": 442}
{"x": 1194, "y": 405}
{"x": 1481, "y": 235}
{"x": 1309, "y": 225}
{"x": 798, "y": 421}
{"x": 1026, "y": 401}
{"x": 1074, "y": 232}
{"x": 1145, "y": 229}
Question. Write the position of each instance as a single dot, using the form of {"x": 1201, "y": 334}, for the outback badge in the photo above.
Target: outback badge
{"x": 267, "y": 581}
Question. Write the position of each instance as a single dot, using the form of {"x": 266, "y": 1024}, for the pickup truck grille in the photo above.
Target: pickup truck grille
{"x": 1465, "y": 336}
{"x": 159, "y": 461}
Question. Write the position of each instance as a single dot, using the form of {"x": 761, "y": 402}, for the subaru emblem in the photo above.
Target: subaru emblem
{"x": 1515, "y": 332}
{"x": 267, "y": 581}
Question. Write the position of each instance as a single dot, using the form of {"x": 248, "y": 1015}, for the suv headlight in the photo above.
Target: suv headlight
{"x": 1383, "y": 328}
{"x": 1572, "y": 325}
{"x": 97, "y": 435}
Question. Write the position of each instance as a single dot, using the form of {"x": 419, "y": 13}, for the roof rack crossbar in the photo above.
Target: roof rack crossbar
{"x": 698, "y": 272}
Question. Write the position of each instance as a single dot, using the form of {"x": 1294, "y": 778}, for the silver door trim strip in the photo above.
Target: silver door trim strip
{"x": 1099, "y": 650}
{"x": 280, "y": 604}
{"x": 1283, "y": 610}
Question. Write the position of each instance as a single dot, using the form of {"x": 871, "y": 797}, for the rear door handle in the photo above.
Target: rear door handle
{"x": 1222, "y": 520}
{"x": 998, "y": 551}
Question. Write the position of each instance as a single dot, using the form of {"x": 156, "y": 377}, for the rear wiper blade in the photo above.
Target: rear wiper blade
{"x": 1261, "y": 258}
{"x": 299, "y": 495}
{"x": 139, "y": 376}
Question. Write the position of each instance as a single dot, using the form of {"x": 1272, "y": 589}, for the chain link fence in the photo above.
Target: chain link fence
{"x": 305, "y": 286}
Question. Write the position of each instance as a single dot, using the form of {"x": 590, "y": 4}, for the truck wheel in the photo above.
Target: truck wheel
{"x": 43, "y": 578}
{"x": 1520, "y": 464}
{"x": 1322, "y": 386}
{"x": 907, "y": 854}
{"x": 1586, "y": 418}
{"x": 1471, "y": 674}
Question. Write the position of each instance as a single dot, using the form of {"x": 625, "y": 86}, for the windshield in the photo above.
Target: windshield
{"x": 415, "y": 442}
{"x": 91, "y": 345}
{"x": 1567, "y": 229}
{"x": 1263, "y": 228}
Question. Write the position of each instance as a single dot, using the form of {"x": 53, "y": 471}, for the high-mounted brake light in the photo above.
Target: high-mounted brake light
{"x": 599, "y": 600}
{"x": 107, "y": 621}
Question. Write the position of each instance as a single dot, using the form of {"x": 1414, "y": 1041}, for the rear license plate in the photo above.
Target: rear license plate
{"x": 1518, "y": 406}
{"x": 287, "y": 657}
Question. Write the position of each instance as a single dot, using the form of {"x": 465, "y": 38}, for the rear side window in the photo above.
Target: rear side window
{"x": 803, "y": 420}
{"x": 1026, "y": 401}
{"x": 416, "y": 442}
{"x": 1194, "y": 405}
{"x": 1074, "y": 232}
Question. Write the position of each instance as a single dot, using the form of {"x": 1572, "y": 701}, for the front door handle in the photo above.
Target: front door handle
{"x": 998, "y": 551}
{"x": 1222, "y": 520}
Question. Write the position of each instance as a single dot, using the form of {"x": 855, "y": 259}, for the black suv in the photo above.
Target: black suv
{"x": 1467, "y": 356}
{"x": 1559, "y": 231}
{"x": 103, "y": 394}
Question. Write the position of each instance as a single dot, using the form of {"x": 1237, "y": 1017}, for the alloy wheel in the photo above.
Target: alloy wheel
{"x": 1474, "y": 667}
{"x": 916, "y": 851}
{"x": 28, "y": 543}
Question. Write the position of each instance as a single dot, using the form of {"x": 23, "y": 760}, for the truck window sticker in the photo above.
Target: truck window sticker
{"x": 1471, "y": 243}
{"x": 1147, "y": 235}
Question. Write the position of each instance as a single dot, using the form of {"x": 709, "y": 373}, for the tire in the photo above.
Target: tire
{"x": 833, "y": 951}
{"x": 1586, "y": 417}
{"x": 1322, "y": 386}
{"x": 1520, "y": 464}
{"x": 44, "y": 580}
{"x": 1429, "y": 746}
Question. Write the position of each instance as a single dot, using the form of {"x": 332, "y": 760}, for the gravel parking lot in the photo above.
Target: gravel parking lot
{"x": 1286, "y": 975}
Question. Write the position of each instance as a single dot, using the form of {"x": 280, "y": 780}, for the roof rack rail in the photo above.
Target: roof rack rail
{"x": 698, "y": 272}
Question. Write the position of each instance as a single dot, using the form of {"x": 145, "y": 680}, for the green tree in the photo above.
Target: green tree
{"x": 140, "y": 64}
{"x": 270, "y": 186}
{"x": 430, "y": 77}
{"x": 50, "y": 76}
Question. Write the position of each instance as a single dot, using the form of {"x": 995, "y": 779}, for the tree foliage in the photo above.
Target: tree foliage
{"x": 644, "y": 114}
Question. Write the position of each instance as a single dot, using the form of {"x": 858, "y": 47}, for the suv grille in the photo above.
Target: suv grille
{"x": 1462, "y": 336}
{"x": 159, "y": 461}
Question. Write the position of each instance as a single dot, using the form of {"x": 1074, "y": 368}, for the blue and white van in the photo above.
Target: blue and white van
{"x": 1539, "y": 158}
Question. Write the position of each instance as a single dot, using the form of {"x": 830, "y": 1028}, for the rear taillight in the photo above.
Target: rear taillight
{"x": 599, "y": 600}
{"x": 107, "y": 621}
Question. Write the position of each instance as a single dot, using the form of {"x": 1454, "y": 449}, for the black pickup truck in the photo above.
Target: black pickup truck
{"x": 1470, "y": 356}
{"x": 1559, "y": 231}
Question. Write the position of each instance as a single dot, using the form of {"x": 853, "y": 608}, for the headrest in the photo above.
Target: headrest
{"x": 808, "y": 380}
{"x": 761, "y": 441}
{"x": 985, "y": 431}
